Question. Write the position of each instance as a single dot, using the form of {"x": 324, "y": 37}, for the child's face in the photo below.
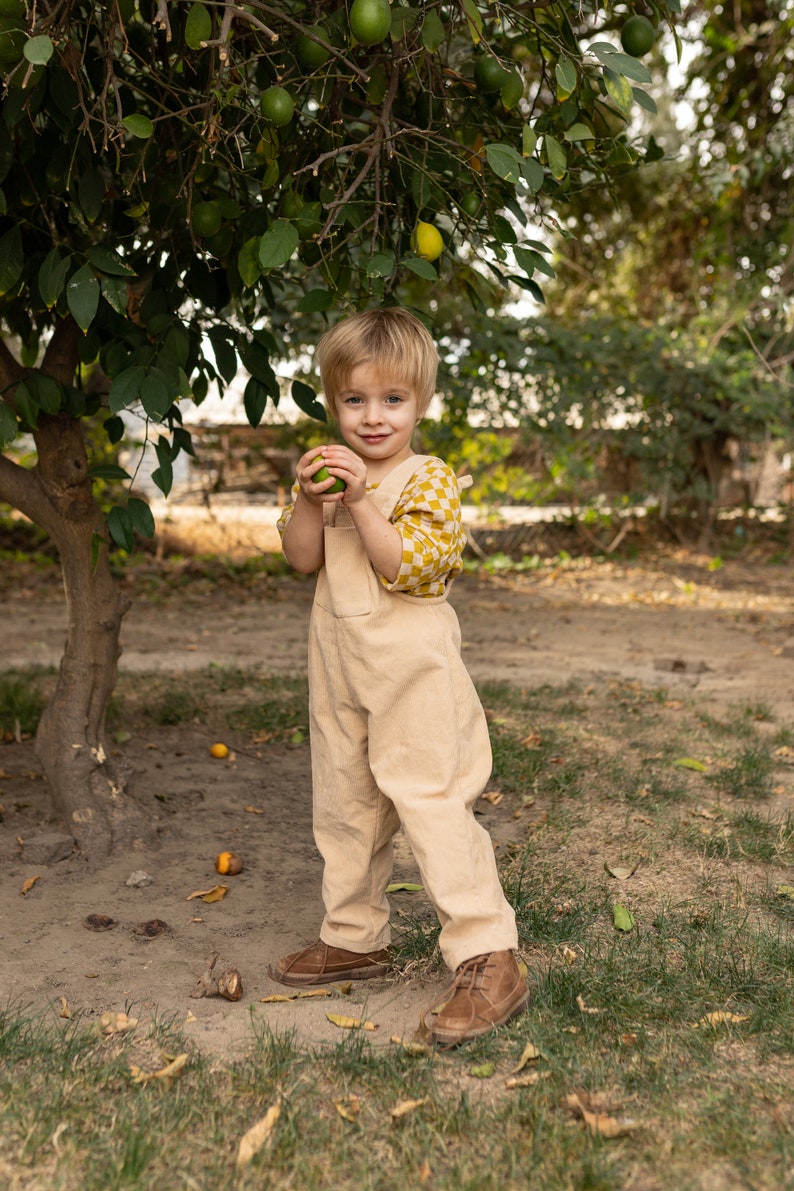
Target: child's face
{"x": 377, "y": 414}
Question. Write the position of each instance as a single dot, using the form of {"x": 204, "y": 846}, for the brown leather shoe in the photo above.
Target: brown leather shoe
{"x": 322, "y": 964}
{"x": 488, "y": 991}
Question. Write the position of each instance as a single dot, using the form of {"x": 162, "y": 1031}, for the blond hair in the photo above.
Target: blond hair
{"x": 392, "y": 339}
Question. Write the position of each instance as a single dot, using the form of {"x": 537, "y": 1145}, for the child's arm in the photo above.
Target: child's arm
{"x": 381, "y": 541}
{"x": 302, "y": 539}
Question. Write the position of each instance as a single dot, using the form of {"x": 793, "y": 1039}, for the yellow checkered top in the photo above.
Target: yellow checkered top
{"x": 428, "y": 518}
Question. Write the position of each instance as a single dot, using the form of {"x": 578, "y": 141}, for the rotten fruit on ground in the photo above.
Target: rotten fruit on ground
{"x": 228, "y": 864}
{"x": 219, "y": 750}
{"x": 324, "y": 474}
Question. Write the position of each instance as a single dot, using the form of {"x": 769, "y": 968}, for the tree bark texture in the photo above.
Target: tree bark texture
{"x": 88, "y": 791}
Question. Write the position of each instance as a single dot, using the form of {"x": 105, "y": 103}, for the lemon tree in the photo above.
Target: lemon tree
{"x": 180, "y": 181}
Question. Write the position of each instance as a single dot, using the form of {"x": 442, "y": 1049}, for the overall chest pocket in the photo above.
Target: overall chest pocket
{"x": 344, "y": 585}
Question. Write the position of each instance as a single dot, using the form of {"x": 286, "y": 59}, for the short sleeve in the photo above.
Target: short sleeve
{"x": 428, "y": 518}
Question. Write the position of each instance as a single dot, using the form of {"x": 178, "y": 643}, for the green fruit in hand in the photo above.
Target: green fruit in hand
{"x": 370, "y": 21}
{"x": 324, "y": 474}
{"x": 489, "y": 74}
{"x": 637, "y": 36}
{"x": 309, "y": 53}
{"x": 277, "y": 106}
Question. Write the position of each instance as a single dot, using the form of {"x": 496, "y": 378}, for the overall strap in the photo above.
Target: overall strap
{"x": 389, "y": 491}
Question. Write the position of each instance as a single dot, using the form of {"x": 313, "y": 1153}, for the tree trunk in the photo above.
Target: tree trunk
{"x": 88, "y": 791}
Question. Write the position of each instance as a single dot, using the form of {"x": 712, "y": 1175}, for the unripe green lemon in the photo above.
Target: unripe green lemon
{"x": 277, "y": 106}
{"x": 637, "y": 36}
{"x": 489, "y": 74}
{"x": 427, "y": 241}
{"x": 471, "y": 204}
{"x": 324, "y": 474}
{"x": 370, "y": 21}
{"x": 220, "y": 244}
{"x": 310, "y": 55}
{"x": 206, "y": 219}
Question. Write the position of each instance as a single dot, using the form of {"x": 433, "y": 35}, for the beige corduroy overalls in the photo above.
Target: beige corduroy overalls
{"x": 398, "y": 737}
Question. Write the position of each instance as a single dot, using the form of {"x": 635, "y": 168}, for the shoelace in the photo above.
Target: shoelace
{"x": 471, "y": 972}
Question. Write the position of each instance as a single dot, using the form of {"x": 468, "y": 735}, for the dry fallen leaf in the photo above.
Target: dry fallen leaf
{"x": 410, "y": 1048}
{"x": 303, "y": 995}
{"x": 527, "y": 1080}
{"x": 528, "y": 1055}
{"x": 348, "y": 1107}
{"x": 28, "y": 885}
{"x": 720, "y": 1017}
{"x": 253, "y": 810}
{"x": 621, "y": 872}
{"x": 216, "y": 894}
{"x": 65, "y": 1010}
{"x": 404, "y": 1107}
{"x": 568, "y": 954}
{"x": 600, "y": 1123}
{"x": 164, "y": 1075}
{"x": 350, "y": 1023}
{"x": 493, "y": 796}
{"x": 116, "y": 1023}
{"x": 254, "y": 1138}
{"x": 585, "y": 1008}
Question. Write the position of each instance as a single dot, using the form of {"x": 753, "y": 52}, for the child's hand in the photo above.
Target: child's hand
{"x": 314, "y": 461}
{"x": 349, "y": 467}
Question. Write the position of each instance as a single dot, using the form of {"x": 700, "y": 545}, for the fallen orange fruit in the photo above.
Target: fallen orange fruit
{"x": 228, "y": 864}
{"x": 219, "y": 750}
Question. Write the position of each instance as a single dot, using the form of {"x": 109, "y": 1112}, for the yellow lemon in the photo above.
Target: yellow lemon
{"x": 427, "y": 241}
{"x": 219, "y": 750}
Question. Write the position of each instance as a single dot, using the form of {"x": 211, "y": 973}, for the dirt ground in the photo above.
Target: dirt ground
{"x": 726, "y": 634}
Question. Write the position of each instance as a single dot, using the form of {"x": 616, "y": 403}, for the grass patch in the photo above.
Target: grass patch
{"x": 681, "y": 1025}
{"x": 22, "y": 700}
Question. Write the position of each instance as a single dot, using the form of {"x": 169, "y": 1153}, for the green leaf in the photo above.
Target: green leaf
{"x": 255, "y": 400}
{"x": 619, "y": 90}
{"x": 306, "y": 400}
{"x": 224, "y": 353}
{"x": 278, "y": 244}
{"x": 9, "y": 426}
{"x": 12, "y": 258}
{"x": 654, "y": 152}
{"x": 512, "y": 91}
{"x": 52, "y": 276}
{"x": 91, "y": 194}
{"x": 198, "y": 26}
{"x": 380, "y": 264}
{"x": 114, "y": 291}
{"x": 483, "y": 1070}
{"x": 121, "y": 529}
{"x": 82, "y": 296}
{"x": 529, "y": 141}
{"x": 39, "y": 50}
{"x": 473, "y": 19}
{"x": 420, "y": 267}
{"x": 643, "y": 100}
{"x": 403, "y": 20}
{"x": 106, "y": 260}
{"x": 565, "y": 74}
{"x": 579, "y": 132}
{"x": 316, "y": 300}
{"x": 157, "y": 394}
{"x": 109, "y": 471}
{"x": 691, "y": 763}
{"x": 126, "y": 388}
{"x": 114, "y": 428}
{"x": 141, "y": 515}
{"x": 433, "y": 32}
{"x": 622, "y": 918}
{"x": 141, "y": 127}
{"x": 46, "y": 392}
{"x": 533, "y": 174}
{"x": 163, "y": 476}
{"x": 248, "y": 265}
{"x": 556, "y": 156}
{"x": 26, "y": 406}
{"x": 529, "y": 260}
{"x": 504, "y": 160}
